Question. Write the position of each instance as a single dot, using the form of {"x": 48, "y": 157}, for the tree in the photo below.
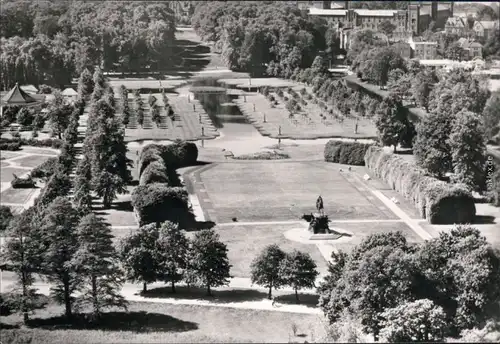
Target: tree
{"x": 386, "y": 27}
{"x": 60, "y": 246}
{"x": 421, "y": 88}
{"x": 454, "y": 52}
{"x": 85, "y": 85}
{"x": 417, "y": 321}
{"x": 97, "y": 264}
{"x": 23, "y": 256}
{"x": 486, "y": 13}
{"x": 298, "y": 270}
{"x": 59, "y": 185}
{"x": 461, "y": 271}
{"x": 266, "y": 268}
{"x": 208, "y": 258}
{"x": 468, "y": 150}
{"x": 173, "y": 247}
{"x": 82, "y": 197}
{"x": 431, "y": 146}
{"x": 5, "y": 217}
{"x": 59, "y": 115}
{"x": 491, "y": 116}
{"x": 25, "y": 117}
{"x": 391, "y": 122}
{"x": 155, "y": 115}
{"x": 138, "y": 255}
{"x": 319, "y": 66}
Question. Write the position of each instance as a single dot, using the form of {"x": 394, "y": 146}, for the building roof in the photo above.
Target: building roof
{"x": 322, "y": 12}
{"x": 29, "y": 89}
{"x": 69, "y": 92}
{"x": 426, "y": 42}
{"x": 16, "y": 96}
{"x": 376, "y": 13}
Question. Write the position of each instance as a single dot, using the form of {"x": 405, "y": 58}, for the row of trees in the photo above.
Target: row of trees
{"x": 52, "y": 42}
{"x": 402, "y": 293}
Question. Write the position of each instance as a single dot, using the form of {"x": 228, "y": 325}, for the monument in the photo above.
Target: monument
{"x": 318, "y": 222}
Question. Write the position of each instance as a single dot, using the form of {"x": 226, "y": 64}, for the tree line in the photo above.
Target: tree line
{"x": 51, "y": 42}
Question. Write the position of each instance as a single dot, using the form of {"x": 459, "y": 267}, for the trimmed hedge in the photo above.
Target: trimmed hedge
{"x": 349, "y": 153}
{"x": 23, "y": 183}
{"x": 53, "y": 143}
{"x": 14, "y": 146}
{"x": 437, "y": 201}
{"x": 155, "y": 172}
{"x": 156, "y": 203}
{"x": 176, "y": 155}
{"x": 150, "y": 153}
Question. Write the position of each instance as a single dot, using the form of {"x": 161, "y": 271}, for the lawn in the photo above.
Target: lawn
{"x": 9, "y": 154}
{"x": 245, "y": 242}
{"x": 166, "y": 323}
{"x": 17, "y": 196}
{"x": 36, "y": 150}
{"x": 265, "y": 191}
{"x": 6, "y": 173}
{"x": 32, "y": 161}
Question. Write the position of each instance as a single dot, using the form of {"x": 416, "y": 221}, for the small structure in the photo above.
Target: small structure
{"x": 29, "y": 89}
{"x": 70, "y": 94}
{"x": 17, "y": 97}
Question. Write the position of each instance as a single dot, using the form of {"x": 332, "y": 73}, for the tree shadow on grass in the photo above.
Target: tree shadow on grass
{"x": 484, "y": 219}
{"x": 228, "y": 295}
{"x": 117, "y": 321}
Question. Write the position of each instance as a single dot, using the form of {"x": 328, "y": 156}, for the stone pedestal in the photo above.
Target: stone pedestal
{"x": 319, "y": 224}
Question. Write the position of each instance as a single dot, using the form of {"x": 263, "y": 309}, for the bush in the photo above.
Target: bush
{"x": 349, "y": 153}
{"x": 437, "y": 201}
{"x": 23, "y": 183}
{"x": 156, "y": 203}
{"x": 176, "y": 155}
{"x": 46, "y": 169}
{"x": 155, "y": 172}
{"x": 149, "y": 154}
{"x": 53, "y": 143}
{"x": 274, "y": 155}
{"x": 14, "y": 146}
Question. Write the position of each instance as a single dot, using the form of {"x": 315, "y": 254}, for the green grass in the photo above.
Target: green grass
{"x": 260, "y": 191}
{"x": 6, "y": 173}
{"x": 275, "y": 155}
{"x": 18, "y": 196}
{"x": 166, "y": 323}
{"x": 9, "y": 154}
{"x": 36, "y": 150}
{"x": 32, "y": 161}
{"x": 245, "y": 242}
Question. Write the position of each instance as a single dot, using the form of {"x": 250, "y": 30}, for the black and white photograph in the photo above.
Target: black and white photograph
{"x": 249, "y": 171}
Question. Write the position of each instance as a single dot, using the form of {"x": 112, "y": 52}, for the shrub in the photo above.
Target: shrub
{"x": 437, "y": 201}
{"x": 46, "y": 169}
{"x": 23, "y": 183}
{"x": 14, "y": 146}
{"x": 176, "y": 155}
{"x": 349, "y": 153}
{"x": 53, "y": 143}
{"x": 155, "y": 172}
{"x": 149, "y": 154}
{"x": 156, "y": 203}
{"x": 274, "y": 155}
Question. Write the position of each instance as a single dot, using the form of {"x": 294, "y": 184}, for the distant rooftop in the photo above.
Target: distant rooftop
{"x": 376, "y": 13}
{"x": 322, "y": 12}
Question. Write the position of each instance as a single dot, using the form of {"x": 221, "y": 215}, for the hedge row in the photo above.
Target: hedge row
{"x": 437, "y": 201}
{"x": 23, "y": 183}
{"x": 53, "y": 143}
{"x": 46, "y": 169}
{"x": 349, "y": 153}
{"x": 14, "y": 146}
{"x": 156, "y": 203}
{"x": 176, "y": 155}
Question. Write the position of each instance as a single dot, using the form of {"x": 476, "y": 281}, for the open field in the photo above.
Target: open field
{"x": 164, "y": 323}
{"x": 307, "y": 124}
{"x": 17, "y": 196}
{"x": 32, "y": 161}
{"x": 245, "y": 242}
{"x": 6, "y": 175}
{"x": 256, "y": 191}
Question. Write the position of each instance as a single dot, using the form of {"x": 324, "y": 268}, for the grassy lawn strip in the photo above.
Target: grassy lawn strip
{"x": 18, "y": 196}
{"x": 164, "y": 323}
{"x": 274, "y": 155}
{"x": 32, "y": 161}
{"x": 246, "y": 242}
{"x": 8, "y": 154}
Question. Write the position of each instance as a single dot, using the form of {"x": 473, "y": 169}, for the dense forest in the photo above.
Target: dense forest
{"x": 251, "y": 35}
{"x": 51, "y": 42}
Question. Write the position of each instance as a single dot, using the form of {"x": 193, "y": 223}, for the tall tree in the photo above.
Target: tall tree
{"x": 299, "y": 271}
{"x": 491, "y": 116}
{"x": 208, "y": 258}
{"x": 391, "y": 122}
{"x": 85, "y": 85}
{"x": 97, "y": 264}
{"x": 60, "y": 247}
{"x": 266, "y": 268}
{"x": 468, "y": 150}
{"x": 173, "y": 248}
{"x": 386, "y": 27}
{"x": 138, "y": 255}
{"x": 82, "y": 197}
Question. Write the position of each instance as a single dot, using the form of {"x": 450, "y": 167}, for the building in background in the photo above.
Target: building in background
{"x": 485, "y": 28}
{"x": 471, "y": 48}
{"x": 456, "y": 25}
{"x": 423, "y": 50}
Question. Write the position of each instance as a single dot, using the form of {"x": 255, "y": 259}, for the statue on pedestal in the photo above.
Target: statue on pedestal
{"x": 318, "y": 222}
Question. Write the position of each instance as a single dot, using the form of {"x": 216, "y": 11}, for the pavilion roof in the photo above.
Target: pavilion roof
{"x": 16, "y": 96}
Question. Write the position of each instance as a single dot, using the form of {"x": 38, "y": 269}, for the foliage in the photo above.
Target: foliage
{"x": 386, "y": 27}
{"x": 493, "y": 186}
{"x": 97, "y": 264}
{"x": 85, "y": 85}
{"x": 491, "y": 116}
{"x": 5, "y": 217}
{"x": 419, "y": 321}
{"x": 266, "y": 268}
{"x": 437, "y": 201}
{"x": 23, "y": 183}
{"x": 299, "y": 271}
{"x": 82, "y": 197}
{"x": 25, "y": 117}
{"x": 155, "y": 114}
{"x": 350, "y": 153}
{"x": 208, "y": 259}
{"x": 391, "y": 122}
{"x": 173, "y": 250}
{"x": 155, "y": 172}
{"x": 60, "y": 245}
{"x": 58, "y": 185}
{"x": 59, "y": 118}
{"x": 468, "y": 149}
{"x": 157, "y": 203}
{"x": 138, "y": 255}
